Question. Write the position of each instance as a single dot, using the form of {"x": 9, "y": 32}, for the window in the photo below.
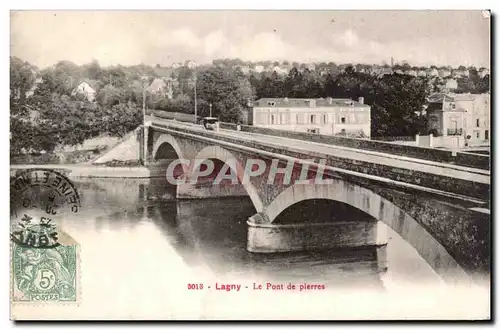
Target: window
{"x": 312, "y": 119}
{"x": 272, "y": 119}
{"x": 296, "y": 118}
{"x": 352, "y": 118}
{"x": 454, "y": 124}
{"x": 283, "y": 118}
{"x": 342, "y": 131}
{"x": 477, "y": 134}
{"x": 486, "y": 135}
{"x": 342, "y": 120}
{"x": 477, "y": 122}
{"x": 271, "y": 103}
{"x": 325, "y": 119}
{"x": 453, "y": 106}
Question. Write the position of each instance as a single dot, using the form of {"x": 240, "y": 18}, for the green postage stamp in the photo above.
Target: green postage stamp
{"x": 40, "y": 274}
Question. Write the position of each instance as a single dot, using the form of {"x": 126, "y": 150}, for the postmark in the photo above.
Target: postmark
{"x": 43, "y": 189}
{"x": 29, "y": 233}
{"x": 44, "y": 259}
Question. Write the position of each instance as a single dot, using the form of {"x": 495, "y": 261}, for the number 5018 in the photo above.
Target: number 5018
{"x": 195, "y": 286}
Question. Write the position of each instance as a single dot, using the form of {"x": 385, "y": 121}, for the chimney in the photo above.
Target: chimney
{"x": 330, "y": 100}
{"x": 361, "y": 100}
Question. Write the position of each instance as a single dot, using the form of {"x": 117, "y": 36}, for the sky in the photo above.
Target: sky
{"x": 162, "y": 37}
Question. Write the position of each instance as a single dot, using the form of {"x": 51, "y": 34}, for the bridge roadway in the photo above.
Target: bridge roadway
{"x": 442, "y": 169}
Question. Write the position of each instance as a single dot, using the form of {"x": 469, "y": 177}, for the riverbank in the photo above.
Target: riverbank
{"x": 91, "y": 171}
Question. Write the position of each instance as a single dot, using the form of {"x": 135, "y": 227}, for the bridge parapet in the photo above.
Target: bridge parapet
{"x": 446, "y": 156}
{"x": 348, "y": 168}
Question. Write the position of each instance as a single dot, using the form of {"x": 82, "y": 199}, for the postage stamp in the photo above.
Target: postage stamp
{"x": 44, "y": 259}
{"x": 44, "y": 274}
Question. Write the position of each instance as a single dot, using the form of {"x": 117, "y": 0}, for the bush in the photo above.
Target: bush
{"x": 47, "y": 158}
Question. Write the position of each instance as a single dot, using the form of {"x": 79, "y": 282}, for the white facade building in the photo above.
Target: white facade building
{"x": 466, "y": 115}
{"x": 328, "y": 116}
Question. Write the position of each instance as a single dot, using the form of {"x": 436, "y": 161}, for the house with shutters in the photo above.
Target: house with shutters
{"x": 330, "y": 116}
{"x": 459, "y": 119}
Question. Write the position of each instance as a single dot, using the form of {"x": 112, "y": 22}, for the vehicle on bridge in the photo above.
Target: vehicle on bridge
{"x": 211, "y": 123}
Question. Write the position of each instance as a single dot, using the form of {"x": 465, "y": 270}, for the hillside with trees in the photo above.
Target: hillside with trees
{"x": 46, "y": 112}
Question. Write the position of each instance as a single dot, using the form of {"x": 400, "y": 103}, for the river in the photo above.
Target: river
{"x": 140, "y": 246}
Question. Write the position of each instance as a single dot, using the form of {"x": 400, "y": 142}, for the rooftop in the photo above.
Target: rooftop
{"x": 297, "y": 102}
{"x": 451, "y": 97}
{"x": 92, "y": 83}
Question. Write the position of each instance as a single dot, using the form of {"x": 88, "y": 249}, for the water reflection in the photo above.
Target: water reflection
{"x": 212, "y": 233}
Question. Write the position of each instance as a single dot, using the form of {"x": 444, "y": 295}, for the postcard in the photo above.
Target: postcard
{"x": 250, "y": 165}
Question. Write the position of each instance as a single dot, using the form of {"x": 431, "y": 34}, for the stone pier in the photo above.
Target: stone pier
{"x": 269, "y": 238}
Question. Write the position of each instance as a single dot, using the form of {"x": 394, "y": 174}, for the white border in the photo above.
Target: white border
{"x": 186, "y": 4}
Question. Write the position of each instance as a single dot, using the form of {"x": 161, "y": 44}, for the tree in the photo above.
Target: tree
{"x": 329, "y": 86}
{"x": 22, "y": 79}
{"x": 483, "y": 85}
{"x": 270, "y": 85}
{"x": 221, "y": 88}
{"x": 181, "y": 103}
{"x": 92, "y": 70}
{"x": 185, "y": 75}
{"x": 114, "y": 76}
{"x": 119, "y": 119}
{"x": 110, "y": 95}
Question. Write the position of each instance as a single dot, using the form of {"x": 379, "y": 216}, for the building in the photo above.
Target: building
{"x": 413, "y": 73}
{"x": 162, "y": 87}
{"x": 280, "y": 71}
{"x": 483, "y": 72}
{"x": 258, "y": 68}
{"x": 432, "y": 72}
{"x": 323, "y": 71}
{"x": 451, "y": 84}
{"x": 33, "y": 88}
{"x": 443, "y": 73}
{"x": 245, "y": 69}
{"x": 422, "y": 73}
{"x": 328, "y": 116}
{"x": 191, "y": 65}
{"x": 311, "y": 66}
{"x": 85, "y": 89}
{"x": 385, "y": 71}
{"x": 460, "y": 115}
{"x": 460, "y": 73}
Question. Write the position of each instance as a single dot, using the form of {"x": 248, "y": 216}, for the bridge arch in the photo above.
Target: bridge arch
{"x": 224, "y": 155}
{"x": 166, "y": 141}
{"x": 379, "y": 208}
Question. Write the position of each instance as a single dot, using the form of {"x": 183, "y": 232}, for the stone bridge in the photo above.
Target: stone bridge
{"x": 440, "y": 209}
